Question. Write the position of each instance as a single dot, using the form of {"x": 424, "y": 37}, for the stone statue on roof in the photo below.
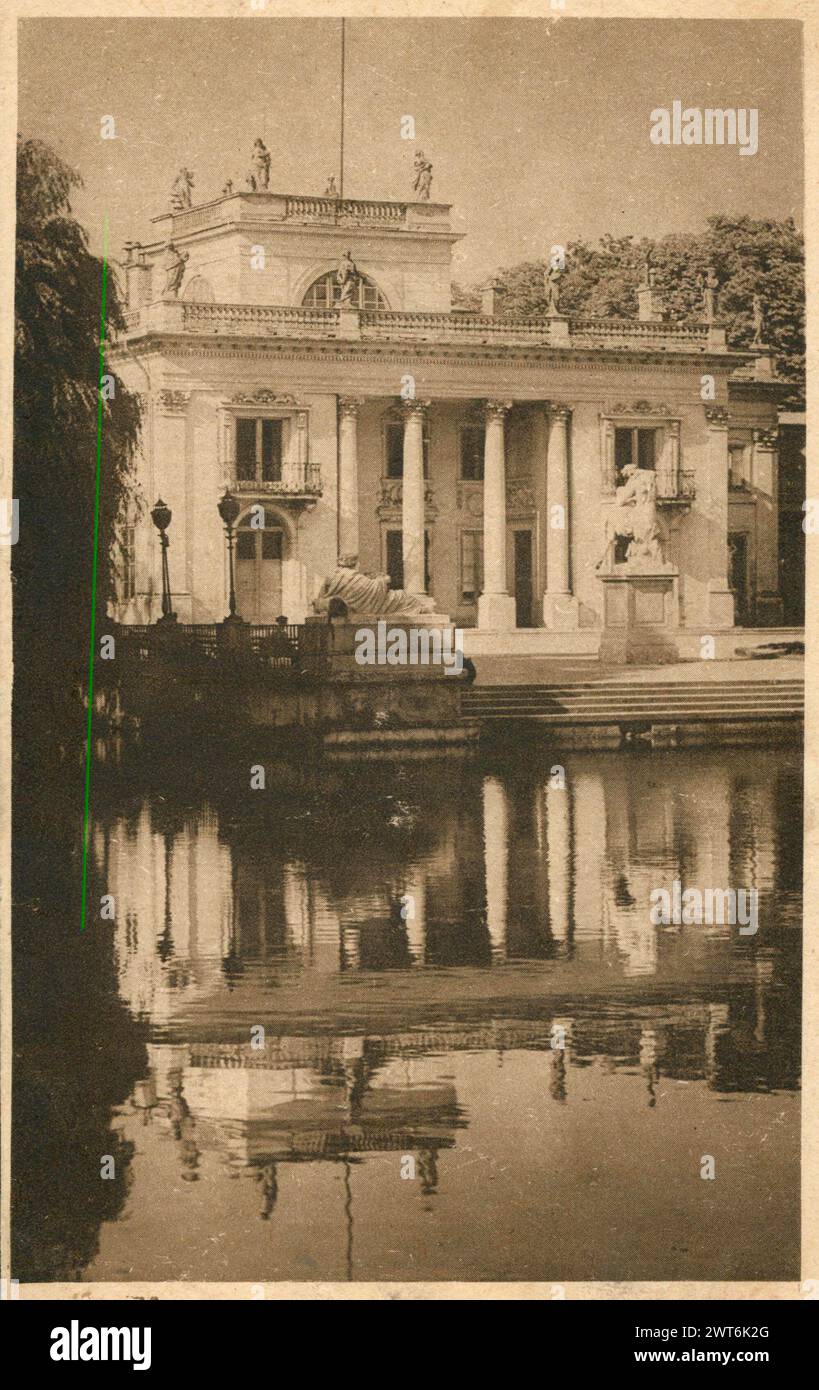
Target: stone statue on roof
{"x": 423, "y": 176}
{"x": 348, "y": 279}
{"x": 331, "y": 191}
{"x": 259, "y": 177}
{"x": 181, "y": 191}
{"x": 173, "y": 264}
{"x": 551, "y": 288}
{"x": 758, "y": 322}
{"x": 709, "y": 285}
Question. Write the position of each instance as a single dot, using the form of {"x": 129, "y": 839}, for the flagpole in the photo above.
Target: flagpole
{"x": 341, "y": 153}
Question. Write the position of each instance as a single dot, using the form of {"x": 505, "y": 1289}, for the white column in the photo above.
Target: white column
{"x": 560, "y": 608}
{"x": 348, "y": 475}
{"x": 720, "y": 597}
{"x": 496, "y": 606}
{"x": 412, "y": 497}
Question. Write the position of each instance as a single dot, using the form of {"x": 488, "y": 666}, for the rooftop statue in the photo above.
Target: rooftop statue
{"x": 636, "y": 521}
{"x": 551, "y": 288}
{"x": 348, "y": 591}
{"x": 709, "y": 284}
{"x": 259, "y": 176}
{"x": 348, "y": 279}
{"x": 173, "y": 264}
{"x": 181, "y": 191}
{"x": 758, "y": 322}
{"x": 331, "y": 191}
{"x": 649, "y": 273}
{"x": 423, "y": 176}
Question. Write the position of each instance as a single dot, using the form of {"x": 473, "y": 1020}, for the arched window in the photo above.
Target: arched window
{"x": 198, "y": 291}
{"x": 324, "y": 293}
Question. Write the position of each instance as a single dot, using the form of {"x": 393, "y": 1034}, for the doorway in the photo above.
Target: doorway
{"x": 259, "y": 555}
{"x": 523, "y": 578}
{"x": 739, "y": 577}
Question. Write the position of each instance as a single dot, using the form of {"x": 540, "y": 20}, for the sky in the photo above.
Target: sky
{"x": 538, "y": 130}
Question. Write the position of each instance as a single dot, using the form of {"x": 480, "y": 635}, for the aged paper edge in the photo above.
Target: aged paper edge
{"x": 806, "y": 12}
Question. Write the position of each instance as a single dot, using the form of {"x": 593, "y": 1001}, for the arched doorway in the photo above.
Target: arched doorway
{"x": 261, "y": 547}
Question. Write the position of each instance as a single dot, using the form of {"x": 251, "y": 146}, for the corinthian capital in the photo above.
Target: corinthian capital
{"x": 558, "y": 410}
{"x": 350, "y": 405}
{"x": 413, "y": 408}
{"x": 496, "y": 410}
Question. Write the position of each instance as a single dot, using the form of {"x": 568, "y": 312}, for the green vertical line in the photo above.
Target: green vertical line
{"x": 93, "y": 635}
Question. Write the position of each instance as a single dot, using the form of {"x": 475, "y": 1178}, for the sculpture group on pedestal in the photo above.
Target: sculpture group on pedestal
{"x": 636, "y": 521}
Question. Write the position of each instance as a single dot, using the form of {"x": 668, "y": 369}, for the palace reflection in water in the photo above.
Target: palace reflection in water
{"x": 374, "y": 983}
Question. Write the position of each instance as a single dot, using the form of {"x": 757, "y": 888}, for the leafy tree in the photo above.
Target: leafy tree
{"x": 750, "y": 257}
{"x": 56, "y": 401}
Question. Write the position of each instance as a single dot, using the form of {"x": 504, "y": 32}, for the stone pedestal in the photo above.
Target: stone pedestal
{"x": 640, "y": 615}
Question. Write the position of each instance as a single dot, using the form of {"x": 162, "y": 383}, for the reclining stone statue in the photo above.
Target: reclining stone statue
{"x": 349, "y": 592}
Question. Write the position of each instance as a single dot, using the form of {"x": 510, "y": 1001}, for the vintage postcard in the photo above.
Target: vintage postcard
{"x": 405, "y": 528}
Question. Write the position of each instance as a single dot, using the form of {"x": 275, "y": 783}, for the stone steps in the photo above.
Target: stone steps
{"x": 613, "y": 702}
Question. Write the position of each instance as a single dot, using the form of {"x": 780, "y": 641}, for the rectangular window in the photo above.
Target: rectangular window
{"x": 128, "y": 563}
{"x": 259, "y": 450}
{"x": 395, "y": 451}
{"x": 245, "y": 545}
{"x": 395, "y": 559}
{"x": 271, "y": 451}
{"x": 471, "y": 565}
{"x": 472, "y": 447}
{"x": 245, "y": 450}
{"x": 271, "y": 545}
{"x": 635, "y": 446}
{"x": 394, "y": 443}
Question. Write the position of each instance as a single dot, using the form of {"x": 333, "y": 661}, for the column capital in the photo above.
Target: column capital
{"x": 717, "y": 416}
{"x": 412, "y": 407}
{"x": 558, "y": 410}
{"x": 496, "y": 410}
{"x": 350, "y": 405}
{"x": 766, "y": 439}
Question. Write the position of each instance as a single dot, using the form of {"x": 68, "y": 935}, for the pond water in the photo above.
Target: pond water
{"x": 414, "y": 1022}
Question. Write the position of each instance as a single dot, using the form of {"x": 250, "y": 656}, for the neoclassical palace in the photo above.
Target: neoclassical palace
{"x": 470, "y": 456}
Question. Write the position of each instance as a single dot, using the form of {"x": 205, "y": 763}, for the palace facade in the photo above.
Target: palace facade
{"x": 470, "y": 456}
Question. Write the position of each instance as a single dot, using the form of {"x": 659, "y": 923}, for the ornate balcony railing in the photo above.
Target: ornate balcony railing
{"x": 298, "y": 479}
{"x": 675, "y": 485}
{"x": 399, "y": 326}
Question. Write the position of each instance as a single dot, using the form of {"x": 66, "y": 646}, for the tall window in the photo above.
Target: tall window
{"x": 324, "y": 293}
{"x": 635, "y": 446}
{"x": 472, "y": 446}
{"x": 394, "y": 446}
{"x": 471, "y": 565}
{"x": 259, "y": 450}
{"x": 395, "y": 559}
{"x": 128, "y": 563}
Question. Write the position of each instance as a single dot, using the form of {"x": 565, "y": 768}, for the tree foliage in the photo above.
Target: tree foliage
{"x": 56, "y": 401}
{"x": 764, "y": 257}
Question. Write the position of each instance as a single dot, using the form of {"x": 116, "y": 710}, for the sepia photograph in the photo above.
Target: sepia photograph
{"x": 405, "y": 521}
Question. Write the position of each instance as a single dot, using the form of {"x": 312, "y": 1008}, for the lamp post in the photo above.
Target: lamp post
{"x": 161, "y": 517}
{"x": 229, "y": 508}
